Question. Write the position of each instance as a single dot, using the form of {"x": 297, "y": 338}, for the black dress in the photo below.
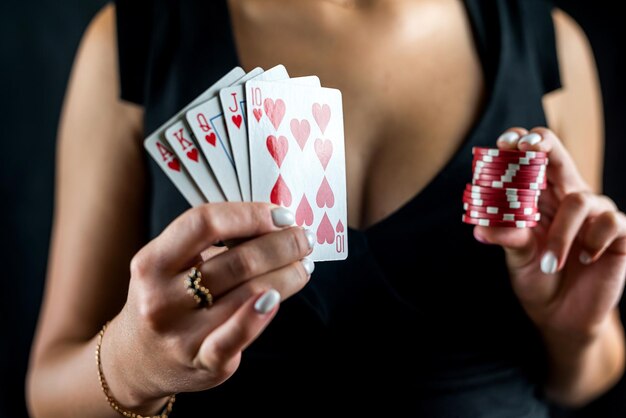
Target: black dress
{"x": 421, "y": 319}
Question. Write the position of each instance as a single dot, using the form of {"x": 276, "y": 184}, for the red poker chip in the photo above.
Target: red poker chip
{"x": 499, "y": 224}
{"x": 500, "y": 198}
{"x": 504, "y": 195}
{"x": 503, "y": 204}
{"x": 510, "y": 185}
{"x": 533, "y": 184}
{"x": 522, "y": 161}
{"x": 504, "y": 179}
{"x": 513, "y": 191}
{"x": 511, "y": 160}
{"x": 507, "y": 201}
{"x": 508, "y": 166}
{"x": 503, "y": 217}
{"x": 492, "y": 198}
{"x": 508, "y": 172}
{"x": 500, "y": 210}
{"x": 510, "y": 178}
{"x": 495, "y": 152}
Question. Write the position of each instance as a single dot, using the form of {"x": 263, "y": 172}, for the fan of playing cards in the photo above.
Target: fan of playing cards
{"x": 264, "y": 137}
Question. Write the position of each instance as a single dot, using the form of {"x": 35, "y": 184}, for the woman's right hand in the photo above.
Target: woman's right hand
{"x": 161, "y": 343}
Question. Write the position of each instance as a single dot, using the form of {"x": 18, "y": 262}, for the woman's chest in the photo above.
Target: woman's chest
{"x": 411, "y": 83}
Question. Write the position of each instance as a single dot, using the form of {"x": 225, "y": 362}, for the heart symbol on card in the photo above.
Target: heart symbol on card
{"x": 304, "y": 213}
{"x": 237, "y": 119}
{"x": 325, "y": 195}
{"x": 278, "y": 148}
{"x": 340, "y": 227}
{"x": 193, "y": 155}
{"x": 275, "y": 111}
{"x": 324, "y": 150}
{"x": 258, "y": 114}
{"x": 280, "y": 194}
{"x": 174, "y": 165}
{"x": 325, "y": 231}
{"x": 301, "y": 129}
{"x": 321, "y": 113}
{"x": 211, "y": 138}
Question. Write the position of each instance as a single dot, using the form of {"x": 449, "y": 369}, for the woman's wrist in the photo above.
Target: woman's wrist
{"x": 123, "y": 379}
{"x": 583, "y": 363}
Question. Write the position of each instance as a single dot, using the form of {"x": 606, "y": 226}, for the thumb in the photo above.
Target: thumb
{"x": 520, "y": 244}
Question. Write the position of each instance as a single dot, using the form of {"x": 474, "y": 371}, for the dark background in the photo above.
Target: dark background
{"x": 38, "y": 40}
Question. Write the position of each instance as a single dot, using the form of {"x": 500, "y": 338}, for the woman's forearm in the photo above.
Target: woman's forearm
{"x": 581, "y": 369}
{"x": 65, "y": 385}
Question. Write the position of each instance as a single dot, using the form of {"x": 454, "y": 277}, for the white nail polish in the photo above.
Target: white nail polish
{"x": 282, "y": 217}
{"x": 549, "y": 263}
{"x": 267, "y": 302}
{"x": 509, "y": 138}
{"x": 309, "y": 265}
{"x": 310, "y": 237}
{"x": 585, "y": 258}
{"x": 531, "y": 139}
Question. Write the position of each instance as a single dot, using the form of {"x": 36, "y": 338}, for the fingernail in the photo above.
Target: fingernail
{"x": 585, "y": 258}
{"x": 531, "y": 139}
{"x": 310, "y": 237}
{"x": 509, "y": 138}
{"x": 267, "y": 302}
{"x": 309, "y": 265}
{"x": 282, "y": 217}
{"x": 549, "y": 263}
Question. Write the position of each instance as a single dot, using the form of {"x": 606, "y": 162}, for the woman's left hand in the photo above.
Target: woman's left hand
{"x": 569, "y": 271}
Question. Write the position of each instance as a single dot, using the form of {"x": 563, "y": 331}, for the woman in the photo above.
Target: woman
{"x": 424, "y": 318}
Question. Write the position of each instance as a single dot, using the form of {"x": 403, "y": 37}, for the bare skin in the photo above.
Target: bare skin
{"x": 99, "y": 203}
{"x": 379, "y": 53}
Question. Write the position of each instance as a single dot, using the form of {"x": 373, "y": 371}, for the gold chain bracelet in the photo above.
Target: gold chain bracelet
{"x": 107, "y": 393}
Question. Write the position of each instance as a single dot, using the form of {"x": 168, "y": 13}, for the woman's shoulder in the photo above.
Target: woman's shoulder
{"x": 572, "y": 44}
{"x": 574, "y": 51}
{"x": 101, "y": 29}
{"x": 575, "y": 111}
{"x": 100, "y": 66}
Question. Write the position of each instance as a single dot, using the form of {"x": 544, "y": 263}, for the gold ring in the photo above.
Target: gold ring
{"x": 201, "y": 295}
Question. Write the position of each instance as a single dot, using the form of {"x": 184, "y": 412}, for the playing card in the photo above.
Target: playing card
{"x": 234, "y": 110}
{"x": 309, "y": 80}
{"x": 297, "y": 158}
{"x": 232, "y": 100}
{"x": 170, "y": 164}
{"x": 182, "y": 142}
{"x": 207, "y": 124}
{"x": 179, "y": 138}
{"x": 165, "y": 157}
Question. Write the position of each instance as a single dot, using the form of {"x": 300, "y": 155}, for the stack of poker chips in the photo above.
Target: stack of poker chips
{"x": 505, "y": 188}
